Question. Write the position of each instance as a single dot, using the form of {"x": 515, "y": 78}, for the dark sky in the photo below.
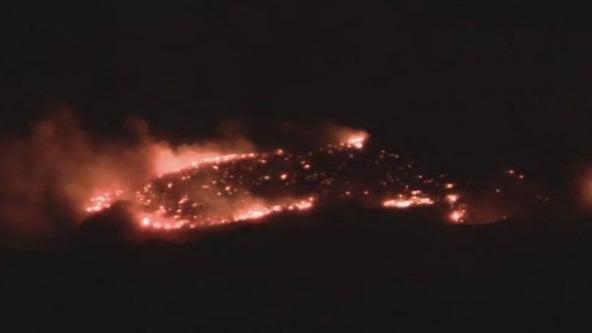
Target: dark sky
{"x": 458, "y": 84}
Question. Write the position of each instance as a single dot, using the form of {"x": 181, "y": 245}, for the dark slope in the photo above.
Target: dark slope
{"x": 334, "y": 269}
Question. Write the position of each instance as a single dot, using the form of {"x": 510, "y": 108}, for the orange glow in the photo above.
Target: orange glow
{"x": 356, "y": 141}
{"x": 166, "y": 160}
{"x": 402, "y": 201}
{"x": 350, "y": 138}
{"x": 103, "y": 201}
{"x": 452, "y": 198}
{"x": 457, "y": 215}
{"x": 259, "y": 211}
{"x": 254, "y": 212}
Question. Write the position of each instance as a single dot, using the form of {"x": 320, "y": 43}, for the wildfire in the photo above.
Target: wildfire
{"x": 164, "y": 186}
{"x": 247, "y": 186}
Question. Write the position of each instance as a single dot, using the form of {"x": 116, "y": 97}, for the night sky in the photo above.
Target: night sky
{"x": 508, "y": 84}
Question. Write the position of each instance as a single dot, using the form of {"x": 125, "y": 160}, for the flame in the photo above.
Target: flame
{"x": 402, "y": 201}
{"x": 356, "y": 141}
{"x": 258, "y": 212}
{"x": 348, "y": 137}
{"x": 166, "y": 161}
{"x": 452, "y": 198}
{"x": 458, "y": 215}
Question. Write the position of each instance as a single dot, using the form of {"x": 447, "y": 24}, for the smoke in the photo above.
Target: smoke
{"x": 511, "y": 194}
{"x": 339, "y": 133}
{"x": 311, "y": 134}
{"x": 48, "y": 176}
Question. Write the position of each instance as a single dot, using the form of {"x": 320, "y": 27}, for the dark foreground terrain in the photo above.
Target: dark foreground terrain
{"x": 350, "y": 269}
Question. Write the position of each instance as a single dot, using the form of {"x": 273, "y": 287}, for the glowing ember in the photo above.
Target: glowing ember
{"x": 145, "y": 221}
{"x": 458, "y": 215}
{"x": 452, "y": 198}
{"x": 352, "y": 138}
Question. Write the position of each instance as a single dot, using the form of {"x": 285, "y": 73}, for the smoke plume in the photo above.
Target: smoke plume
{"x": 48, "y": 175}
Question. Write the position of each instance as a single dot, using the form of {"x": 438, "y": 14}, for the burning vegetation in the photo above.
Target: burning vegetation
{"x": 62, "y": 173}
